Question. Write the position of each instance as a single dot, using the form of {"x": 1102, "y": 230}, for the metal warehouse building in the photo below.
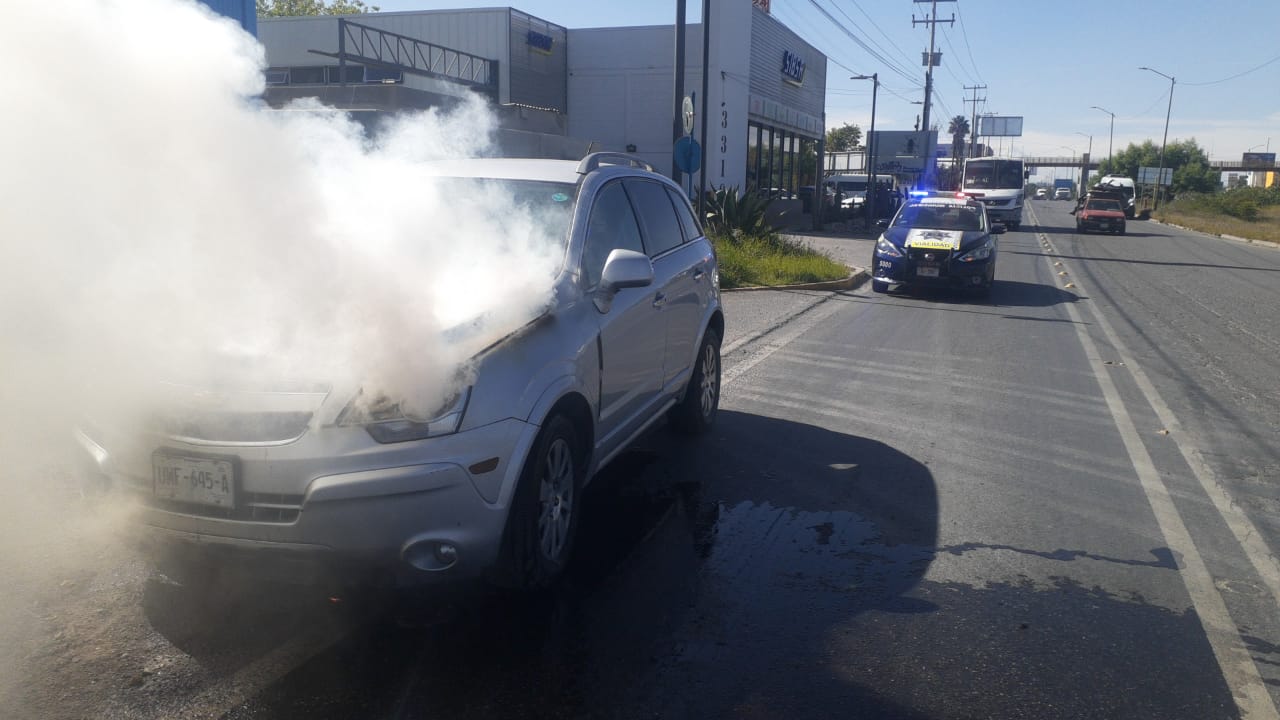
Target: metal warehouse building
{"x": 562, "y": 92}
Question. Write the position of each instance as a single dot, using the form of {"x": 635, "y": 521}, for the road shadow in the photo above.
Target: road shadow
{"x": 1004, "y": 293}
{"x": 1128, "y": 261}
{"x": 1071, "y": 230}
{"x": 771, "y": 569}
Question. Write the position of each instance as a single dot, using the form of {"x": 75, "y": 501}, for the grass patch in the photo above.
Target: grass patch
{"x": 1208, "y": 218}
{"x": 749, "y": 260}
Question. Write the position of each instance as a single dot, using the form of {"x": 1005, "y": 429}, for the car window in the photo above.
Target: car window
{"x": 688, "y": 222}
{"x": 661, "y": 228}
{"x": 942, "y": 217}
{"x": 612, "y": 226}
{"x": 1103, "y": 205}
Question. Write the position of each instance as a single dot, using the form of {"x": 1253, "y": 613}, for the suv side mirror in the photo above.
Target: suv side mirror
{"x": 624, "y": 269}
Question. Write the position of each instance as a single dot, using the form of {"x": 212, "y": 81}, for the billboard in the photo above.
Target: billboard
{"x": 903, "y": 151}
{"x": 1147, "y": 176}
{"x": 1259, "y": 160}
{"x": 997, "y": 126}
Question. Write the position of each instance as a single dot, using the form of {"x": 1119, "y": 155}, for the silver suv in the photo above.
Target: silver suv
{"x": 294, "y": 483}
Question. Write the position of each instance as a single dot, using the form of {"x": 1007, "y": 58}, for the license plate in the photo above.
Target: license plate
{"x": 203, "y": 481}
{"x": 927, "y": 271}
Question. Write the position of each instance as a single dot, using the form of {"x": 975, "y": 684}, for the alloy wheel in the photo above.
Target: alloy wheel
{"x": 555, "y": 499}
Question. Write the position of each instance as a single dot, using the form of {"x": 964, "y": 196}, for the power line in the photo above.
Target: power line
{"x": 968, "y": 48}
{"x": 1233, "y": 77}
{"x": 859, "y": 41}
{"x": 946, "y": 37}
{"x": 886, "y": 61}
{"x": 885, "y": 35}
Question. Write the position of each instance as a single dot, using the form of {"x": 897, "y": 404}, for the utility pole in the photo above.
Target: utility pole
{"x": 932, "y": 58}
{"x": 973, "y": 127}
{"x": 677, "y": 115}
{"x": 929, "y": 61}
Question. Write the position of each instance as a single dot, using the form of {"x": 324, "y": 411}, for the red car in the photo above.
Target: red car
{"x": 1100, "y": 214}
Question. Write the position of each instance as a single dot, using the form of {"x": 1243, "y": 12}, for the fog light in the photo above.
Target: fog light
{"x": 431, "y": 555}
{"x": 447, "y": 554}
{"x": 976, "y": 280}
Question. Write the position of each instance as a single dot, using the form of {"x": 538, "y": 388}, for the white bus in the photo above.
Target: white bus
{"x": 998, "y": 183}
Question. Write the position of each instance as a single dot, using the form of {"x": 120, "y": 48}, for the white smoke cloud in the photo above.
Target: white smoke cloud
{"x": 158, "y": 218}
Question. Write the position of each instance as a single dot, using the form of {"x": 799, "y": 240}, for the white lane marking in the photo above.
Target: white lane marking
{"x": 818, "y": 299}
{"x": 1246, "y": 533}
{"x": 1238, "y": 669}
{"x": 778, "y": 338}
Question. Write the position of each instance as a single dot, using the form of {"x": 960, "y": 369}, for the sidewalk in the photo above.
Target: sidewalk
{"x": 749, "y": 315}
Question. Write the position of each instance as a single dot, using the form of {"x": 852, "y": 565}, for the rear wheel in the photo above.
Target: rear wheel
{"x": 1121, "y": 230}
{"x": 696, "y": 411}
{"x": 544, "y": 512}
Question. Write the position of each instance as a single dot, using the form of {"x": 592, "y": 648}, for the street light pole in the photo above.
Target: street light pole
{"x": 1168, "y": 111}
{"x": 1111, "y": 135}
{"x": 1084, "y": 165}
{"x": 871, "y": 148}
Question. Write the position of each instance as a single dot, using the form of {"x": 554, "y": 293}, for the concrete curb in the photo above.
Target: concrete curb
{"x": 1247, "y": 241}
{"x": 856, "y": 278}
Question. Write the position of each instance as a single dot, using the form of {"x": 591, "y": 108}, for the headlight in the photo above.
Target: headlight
{"x": 886, "y": 248}
{"x": 982, "y": 252}
{"x": 387, "y": 423}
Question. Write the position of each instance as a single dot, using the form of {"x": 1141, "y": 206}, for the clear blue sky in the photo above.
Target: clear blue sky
{"x": 1046, "y": 61}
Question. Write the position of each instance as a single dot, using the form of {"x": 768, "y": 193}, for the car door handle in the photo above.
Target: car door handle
{"x": 659, "y": 300}
{"x": 698, "y": 274}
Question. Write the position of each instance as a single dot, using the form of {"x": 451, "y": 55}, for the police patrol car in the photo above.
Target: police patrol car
{"x": 939, "y": 240}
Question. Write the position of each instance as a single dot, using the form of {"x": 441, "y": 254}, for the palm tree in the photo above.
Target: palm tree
{"x": 958, "y": 128}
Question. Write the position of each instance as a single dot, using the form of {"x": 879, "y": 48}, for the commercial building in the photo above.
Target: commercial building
{"x": 563, "y": 92}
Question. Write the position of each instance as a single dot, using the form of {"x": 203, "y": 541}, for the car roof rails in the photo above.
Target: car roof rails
{"x": 595, "y": 160}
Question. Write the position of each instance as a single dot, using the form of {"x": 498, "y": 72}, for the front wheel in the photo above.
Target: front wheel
{"x": 696, "y": 411}
{"x": 545, "y": 509}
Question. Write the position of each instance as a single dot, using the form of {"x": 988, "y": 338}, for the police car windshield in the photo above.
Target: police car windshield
{"x": 951, "y": 216}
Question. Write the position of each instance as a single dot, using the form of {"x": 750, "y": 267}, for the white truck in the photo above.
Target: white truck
{"x": 998, "y": 183}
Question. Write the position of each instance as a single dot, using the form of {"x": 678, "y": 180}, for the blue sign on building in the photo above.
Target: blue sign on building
{"x": 793, "y": 67}
{"x": 244, "y": 11}
{"x": 541, "y": 43}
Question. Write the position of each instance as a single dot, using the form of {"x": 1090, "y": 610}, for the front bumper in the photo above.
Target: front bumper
{"x": 337, "y": 507}
{"x": 912, "y": 269}
{"x": 1108, "y": 224}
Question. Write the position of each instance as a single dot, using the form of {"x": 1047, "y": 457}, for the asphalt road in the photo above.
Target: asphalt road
{"x": 1056, "y": 503}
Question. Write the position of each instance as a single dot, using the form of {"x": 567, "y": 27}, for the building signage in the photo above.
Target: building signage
{"x": 1155, "y": 176}
{"x": 1259, "y": 160}
{"x": 540, "y": 43}
{"x": 762, "y": 4}
{"x": 793, "y": 67}
{"x": 997, "y": 126}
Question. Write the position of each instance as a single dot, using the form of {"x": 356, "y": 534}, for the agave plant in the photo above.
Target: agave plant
{"x": 732, "y": 213}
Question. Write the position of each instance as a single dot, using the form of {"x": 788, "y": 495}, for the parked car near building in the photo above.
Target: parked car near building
{"x": 329, "y": 487}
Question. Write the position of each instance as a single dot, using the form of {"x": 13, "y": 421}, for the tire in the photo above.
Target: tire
{"x": 1015, "y": 226}
{"x": 545, "y": 513}
{"x": 1121, "y": 230}
{"x": 880, "y": 287}
{"x": 696, "y": 411}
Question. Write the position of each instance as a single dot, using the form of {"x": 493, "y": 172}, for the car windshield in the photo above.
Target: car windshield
{"x": 953, "y": 216}
{"x": 1103, "y": 205}
{"x": 547, "y": 205}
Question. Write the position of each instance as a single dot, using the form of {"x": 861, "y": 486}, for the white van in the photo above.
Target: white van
{"x": 851, "y": 189}
{"x": 1125, "y": 186}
